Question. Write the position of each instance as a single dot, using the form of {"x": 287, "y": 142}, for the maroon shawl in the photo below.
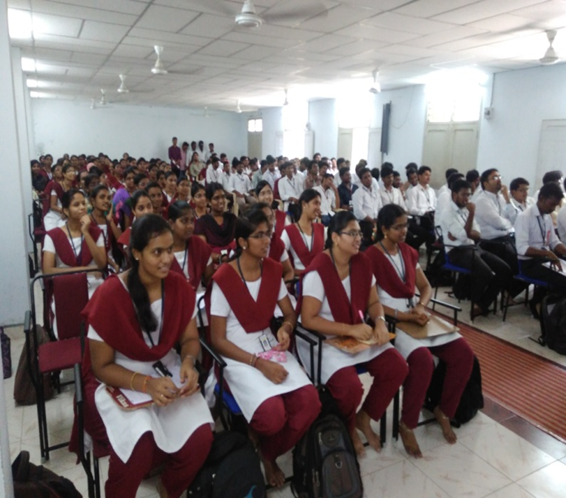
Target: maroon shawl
{"x": 280, "y": 218}
{"x": 64, "y": 250}
{"x": 299, "y": 245}
{"x": 276, "y": 247}
{"x": 386, "y": 275}
{"x": 52, "y": 185}
{"x": 199, "y": 254}
{"x": 111, "y": 313}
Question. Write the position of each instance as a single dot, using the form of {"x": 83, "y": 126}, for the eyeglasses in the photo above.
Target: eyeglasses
{"x": 260, "y": 235}
{"x": 497, "y": 177}
{"x": 354, "y": 234}
{"x": 403, "y": 226}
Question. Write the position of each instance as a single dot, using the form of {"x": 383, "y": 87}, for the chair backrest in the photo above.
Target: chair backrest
{"x": 71, "y": 296}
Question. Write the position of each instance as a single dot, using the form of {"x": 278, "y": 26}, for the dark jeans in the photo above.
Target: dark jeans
{"x": 325, "y": 219}
{"x": 534, "y": 268}
{"x": 489, "y": 273}
{"x": 504, "y": 248}
{"x": 421, "y": 229}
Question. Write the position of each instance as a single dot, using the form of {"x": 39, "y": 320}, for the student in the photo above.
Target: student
{"x": 328, "y": 198}
{"x": 398, "y": 274}
{"x": 192, "y": 255}
{"x": 240, "y": 185}
{"x": 305, "y": 238}
{"x": 473, "y": 178}
{"x": 277, "y": 399}
{"x": 174, "y": 154}
{"x": 389, "y": 194}
{"x": 312, "y": 179}
{"x": 103, "y": 217}
{"x": 154, "y": 310}
{"x": 271, "y": 174}
{"x": 290, "y": 186}
{"x": 217, "y": 228}
{"x": 412, "y": 177}
{"x": 538, "y": 246}
{"x": 346, "y": 189}
{"x": 141, "y": 205}
{"x": 264, "y": 193}
{"x": 198, "y": 201}
{"x": 214, "y": 172}
{"x": 170, "y": 186}
{"x": 156, "y": 197}
{"x": 38, "y": 180}
{"x": 338, "y": 291}
{"x": 195, "y": 166}
{"x": 183, "y": 190}
{"x": 445, "y": 197}
{"x": 446, "y": 187}
{"x": 421, "y": 199}
{"x": 63, "y": 178}
{"x": 519, "y": 188}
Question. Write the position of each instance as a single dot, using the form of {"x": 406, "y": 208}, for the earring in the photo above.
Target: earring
{"x": 385, "y": 235}
{"x": 245, "y": 247}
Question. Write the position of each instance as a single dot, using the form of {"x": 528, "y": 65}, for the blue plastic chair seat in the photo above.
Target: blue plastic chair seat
{"x": 532, "y": 281}
{"x": 229, "y": 401}
{"x": 459, "y": 269}
{"x": 360, "y": 369}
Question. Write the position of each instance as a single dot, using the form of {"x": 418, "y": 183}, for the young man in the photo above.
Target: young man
{"x": 446, "y": 187}
{"x": 328, "y": 198}
{"x": 460, "y": 231}
{"x": 366, "y": 204}
{"x": 389, "y": 194}
{"x": 346, "y": 189}
{"x": 312, "y": 179}
{"x": 184, "y": 158}
{"x": 473, "y": 178}
{"x": 519, "y": 188}
{"x": 258, "y": 174}
{"x": 412, "y": 177}
{"x": 174, "y": 155}
{"x": 240, "y": 185}
{"x": 290, "y": 186}
{"x": 272, "y": 174}
{"x": 210, "y": 152}
{"x": 214, "y": 173}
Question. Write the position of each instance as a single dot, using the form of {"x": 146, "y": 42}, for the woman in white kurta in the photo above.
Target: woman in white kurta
{"x": 275, "y": 396}
{"x": 153, "y": 309}
{"x": 399, "y": 275}
{"x": 338, "y": 291}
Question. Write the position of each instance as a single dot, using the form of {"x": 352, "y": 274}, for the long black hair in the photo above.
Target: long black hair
{"x": 338, "y": 222}
{"x": 178, "y": 209}
{"x": 246, "y": 225}
{"x": 143, "y": 230}
{"x": 68, "y": 197}
{"x": 136, "y": 197}
{"x": 212, "y": 188}
{"x": 386, "y": 218}
{"x": 307, "y": 196}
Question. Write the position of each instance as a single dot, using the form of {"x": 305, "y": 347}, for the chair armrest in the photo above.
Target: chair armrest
{"x": 446, "y": 305}
{"x": 305, "y": 337}
{"x": 215, "y": 356}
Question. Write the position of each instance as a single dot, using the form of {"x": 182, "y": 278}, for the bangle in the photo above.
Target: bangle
{"x": 380, "y": 317}
{"x": 253, "y": 359}
{"x": 132, "y": 381}
{"x": 144, "y": 386}
{"x": 420, "y": 303}
{"x": 290, "y": 324}
{"x": 192, "y": 359}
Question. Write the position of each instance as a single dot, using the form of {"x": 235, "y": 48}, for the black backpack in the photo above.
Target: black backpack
{"x": 325, "y": 463}
{"x": 232, "y": 468}
{"x": 470, "y": 402}
{"x": 553, "y": 323}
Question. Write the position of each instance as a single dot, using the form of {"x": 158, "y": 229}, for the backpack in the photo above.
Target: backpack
{"x": 32, "y": 481}
{"x": 232, "y": 468}
{"x": 470, "y": 402}
{"x": 325, "y": 463}
{"x": 24, "y": 391}
{"x": 553, "y": 323}
{"x": 6, "y": 354}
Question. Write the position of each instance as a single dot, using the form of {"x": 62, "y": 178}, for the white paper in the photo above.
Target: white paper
{"x": 553, "y": 267}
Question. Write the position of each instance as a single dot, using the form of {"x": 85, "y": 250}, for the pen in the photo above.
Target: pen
{"x": 361, "y": 316}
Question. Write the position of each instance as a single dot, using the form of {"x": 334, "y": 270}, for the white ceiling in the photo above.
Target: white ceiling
{"x": 81, "y": 46}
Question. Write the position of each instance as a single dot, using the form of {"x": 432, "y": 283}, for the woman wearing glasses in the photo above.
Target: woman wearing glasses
{"x": 338, "y": 292}
{"x": 275, "y": 396}
{"x": 398, "y": 274}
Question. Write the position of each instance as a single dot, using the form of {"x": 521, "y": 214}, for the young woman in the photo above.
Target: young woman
{"x": 161, "y": 180}
{"x": 195, "y": 166}
{"x": 192, "y": 255}
{"x": 183, "y": 190}
{"x": 398, "y": 274}
{"x": 103, "y": 217}
{"x": 121, "y": 197}
{"x": 141, "y": 205}
{"x": 199, "y": 202}
{"x": 274, "y": 394}
{"x": 264, "y": 194}
{"x": 337, "y": 292}
{"x": 156, "y": 196}
{"x": 170, "y": 186}
{"x": 305, "y": 239}
{"x": 217, "y": 228}
{"x": 63, "y": 178}
{"x": 154, "y": 310}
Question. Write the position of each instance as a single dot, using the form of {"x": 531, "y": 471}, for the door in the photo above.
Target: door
{"x": 552, "y": 149}
{"x": 345, "y": 142}
{"x": 255, "y": 143}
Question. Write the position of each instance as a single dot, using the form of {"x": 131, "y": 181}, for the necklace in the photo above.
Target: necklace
{"x": 78, "y": 256}
{"x": 336, "y": 266}
{"x": 400, "y": 271}
{"x": 242, "y": 275}
{"x": 305, "y": 237}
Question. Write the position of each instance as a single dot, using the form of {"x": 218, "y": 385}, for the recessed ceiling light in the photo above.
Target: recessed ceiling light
{"x": 19, "y": 24}
{"x": 31, "y": 83}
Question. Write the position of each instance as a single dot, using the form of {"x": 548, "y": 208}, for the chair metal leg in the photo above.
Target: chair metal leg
{"x": 396, "y": 403}
{"x": 96, "y": 478}
{"x": 383, "y": 427}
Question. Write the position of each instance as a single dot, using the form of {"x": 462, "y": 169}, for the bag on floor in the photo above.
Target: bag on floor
{"x": 553, "y": 323}
{"x": 325, "y": 463}
{"x": 6, "y": 354}
{"x": 33, "y": 481}
{"x": 470, "y": 402}
{"x": 24, "y": 391}
{"x": 232, "y": 468}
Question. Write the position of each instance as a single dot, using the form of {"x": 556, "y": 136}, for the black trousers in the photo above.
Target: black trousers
{"x": 534, "y": 268}
{"x": 490, "y": 274}
{"x": 504, "y": 248}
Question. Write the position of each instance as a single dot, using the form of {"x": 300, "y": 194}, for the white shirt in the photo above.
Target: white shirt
{"x": 214, "y": 175}
{"x": 442, "y": 203}
{"x": 421, "y": 200}
{"x": 327, "y": 200}
{"x": 519, "y": 208}
{"x": 494, "y": 215}
{"x": 366, "y": 203}
{"x": 208, "y": 154}
{"x": 535, "y": 230}
{"x": 391, "y": 196}
{"x": 561, "y": 223}
{"x": 240, "y": 182}
{"x": 442, "y": 189}
{"x": 290, "y": 188}
{"x": 356, "y": 181}
{"x": 270, "y": 177}
{"x": 452, "y": 221}
{"x": 226, "y": 177}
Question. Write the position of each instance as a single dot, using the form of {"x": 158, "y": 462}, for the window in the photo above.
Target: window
{"x": 255, "y": 125}
{"x": 295, "y": 117}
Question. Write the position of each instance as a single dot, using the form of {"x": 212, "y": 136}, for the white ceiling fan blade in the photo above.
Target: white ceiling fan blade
{"x": 123, "y": 88}
{"x": 550, "y": 56}
{"x": 158, "y": 68}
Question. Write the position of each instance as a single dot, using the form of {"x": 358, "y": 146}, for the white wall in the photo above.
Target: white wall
{"x": 72, "y": 127}
{"x": 272, "y": 123}
{"x": 323, "y": 120}
{"x": 522, "y": 100}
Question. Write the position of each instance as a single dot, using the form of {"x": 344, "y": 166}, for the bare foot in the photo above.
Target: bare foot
{"x": 273, "y": 474}
{"x": 357, "y": 442}
{"x": 444, "y": 422}
{"x": 363, "y": 424}
{"x": 409, "y": 441}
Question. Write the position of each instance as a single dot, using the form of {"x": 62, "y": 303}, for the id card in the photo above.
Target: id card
{"x": 265, "y": 342}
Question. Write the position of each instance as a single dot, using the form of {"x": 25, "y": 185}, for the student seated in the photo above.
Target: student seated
{"x": 217, "y": 228}
{"x": 275, "y": 396}
{"x": 199, "y": 202}
{"x": 140, "y": 206}
{"x": 192, "y": 255}
{"x": 154, "y": 310}
{"x": 519, "y": 188}
{"x": 328, "y": 198}
{"x": 346, "y": 189}
{"x": 337, "y": 292}
{"x": 241, "y": 185}
{"x": 538, "y": 246}
{"x": 305, "y": 239}
{"x": 103, "y": 216}
{"x": 421, "y": 201}
{"x": 54, "y": 190}
{"x": 264, "y": 193}
{"x": 170, "y": 186}
{"x": 398, "y": 274}
{"x": 156, "y": 197}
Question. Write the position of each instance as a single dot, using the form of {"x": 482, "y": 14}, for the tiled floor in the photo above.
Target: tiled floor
{"x": 498, "y": 454}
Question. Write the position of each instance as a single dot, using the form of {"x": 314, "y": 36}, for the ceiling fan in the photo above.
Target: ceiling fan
{"x": 550, "y": 56}
{"x": 123, "y": 89}
{"x": 287, "y": 12}
{"x": 159, "y": 68}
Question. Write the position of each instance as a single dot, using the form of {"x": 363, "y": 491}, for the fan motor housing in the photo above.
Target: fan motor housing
{"x": 248, "y": 20}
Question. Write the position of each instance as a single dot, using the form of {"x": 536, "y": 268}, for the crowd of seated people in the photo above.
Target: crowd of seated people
{"x": 243, "y": 233}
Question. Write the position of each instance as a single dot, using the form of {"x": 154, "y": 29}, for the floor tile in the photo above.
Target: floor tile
{"x": 511, "y": 491}
{"x": 495, "y": 411}
{"x": 507, "y": 452}
{"x": 549, "y": 482}
{"x": 460, "y": 472}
